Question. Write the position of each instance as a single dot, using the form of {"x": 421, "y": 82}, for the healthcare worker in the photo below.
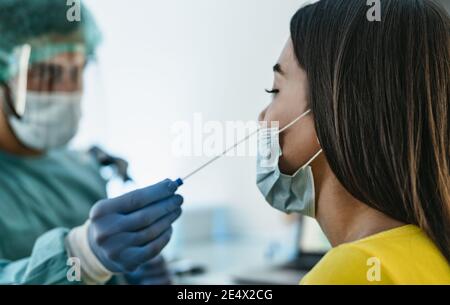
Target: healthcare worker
{"x": 363, "y": 139}
{"x": 53, "y": 213}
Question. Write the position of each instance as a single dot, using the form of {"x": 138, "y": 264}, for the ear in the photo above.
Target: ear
{"x": 6, "y": 102}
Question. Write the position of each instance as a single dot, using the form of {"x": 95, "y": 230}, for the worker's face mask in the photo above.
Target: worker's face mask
{"x": 50, "y": 120}
{"x": 284, "y": 192}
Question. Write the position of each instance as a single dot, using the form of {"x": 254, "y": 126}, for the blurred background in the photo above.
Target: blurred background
{"x": 446, "y": 4}
{"x": 163, "y": 62}
{"x": 160, "y": 63}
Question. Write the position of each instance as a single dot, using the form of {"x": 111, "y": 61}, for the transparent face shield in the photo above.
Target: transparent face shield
{"x": 57, "y": 69}
{"x": 14, "y": 90}
{"x": 43, "y": 97}
{"x": 94, "y": 129}
{"x": 61, "y": 73}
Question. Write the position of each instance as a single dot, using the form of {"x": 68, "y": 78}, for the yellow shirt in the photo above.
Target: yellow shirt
{"x": 404, "y": 255}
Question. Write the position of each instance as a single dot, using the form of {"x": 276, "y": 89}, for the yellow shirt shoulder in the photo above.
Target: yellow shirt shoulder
{"x": 403, "y": 255}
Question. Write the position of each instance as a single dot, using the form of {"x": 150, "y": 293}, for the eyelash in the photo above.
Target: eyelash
{"x": 273, "y": 91}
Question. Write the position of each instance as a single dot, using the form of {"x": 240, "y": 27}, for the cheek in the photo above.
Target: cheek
{"x": 299, "y": 144}
{"x": 296, "y": 97}
{"x": 288, "y": 104}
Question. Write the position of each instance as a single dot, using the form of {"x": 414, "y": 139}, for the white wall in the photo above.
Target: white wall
{"x": 164, "y": 60}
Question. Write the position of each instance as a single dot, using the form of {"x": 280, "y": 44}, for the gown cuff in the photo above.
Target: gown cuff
{"x": 92, "y": 270}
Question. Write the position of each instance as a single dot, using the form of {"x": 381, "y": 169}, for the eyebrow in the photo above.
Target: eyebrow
{"x": 277, "y": 69}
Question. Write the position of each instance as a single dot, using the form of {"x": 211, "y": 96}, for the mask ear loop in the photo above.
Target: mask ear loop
{"x": 313, "y": 158}
{"x": 292, "y": 123}
{"x": 295, "y": 121}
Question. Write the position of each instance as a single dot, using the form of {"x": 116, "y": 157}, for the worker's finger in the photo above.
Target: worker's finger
{"x": 136, "y": 256}
{"x": 156, "y": 229}
{"x": 119, "y": 241}
{"x": 134, "y": 200}
{"x": 147, "y": 216}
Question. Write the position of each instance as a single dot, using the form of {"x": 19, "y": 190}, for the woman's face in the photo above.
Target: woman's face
{"x": 290, "y": 99}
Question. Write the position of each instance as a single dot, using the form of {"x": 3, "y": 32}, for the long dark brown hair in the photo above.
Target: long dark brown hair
{"x": 380, "y": 95}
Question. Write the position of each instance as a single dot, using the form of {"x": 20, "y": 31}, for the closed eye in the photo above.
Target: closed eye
{"x": 272, "y": 91}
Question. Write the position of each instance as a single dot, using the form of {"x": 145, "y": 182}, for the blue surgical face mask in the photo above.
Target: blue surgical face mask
{"x": 283, "y": 192}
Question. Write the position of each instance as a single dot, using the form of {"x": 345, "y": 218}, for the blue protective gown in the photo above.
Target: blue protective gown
{"x": 41, "y": 199}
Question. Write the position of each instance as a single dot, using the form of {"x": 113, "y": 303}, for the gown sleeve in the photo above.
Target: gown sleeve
{"x": 48, "y": 263}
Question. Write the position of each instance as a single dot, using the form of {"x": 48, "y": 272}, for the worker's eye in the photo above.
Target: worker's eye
{"x": 273, "y": 91}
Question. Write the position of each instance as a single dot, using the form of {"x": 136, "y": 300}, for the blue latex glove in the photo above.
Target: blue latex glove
{"x": 130, "y": 230}
{"x": 154, "y": 272}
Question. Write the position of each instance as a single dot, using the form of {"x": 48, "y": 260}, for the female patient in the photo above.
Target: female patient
{"x": 365, "y": 139}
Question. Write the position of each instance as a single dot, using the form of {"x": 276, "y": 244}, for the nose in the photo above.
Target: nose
{"x": 262, "y": 115}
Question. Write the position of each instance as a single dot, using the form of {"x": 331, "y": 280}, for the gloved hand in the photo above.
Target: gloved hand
{"x": 154, "y": 272}
{"x": 130, "y": 230}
